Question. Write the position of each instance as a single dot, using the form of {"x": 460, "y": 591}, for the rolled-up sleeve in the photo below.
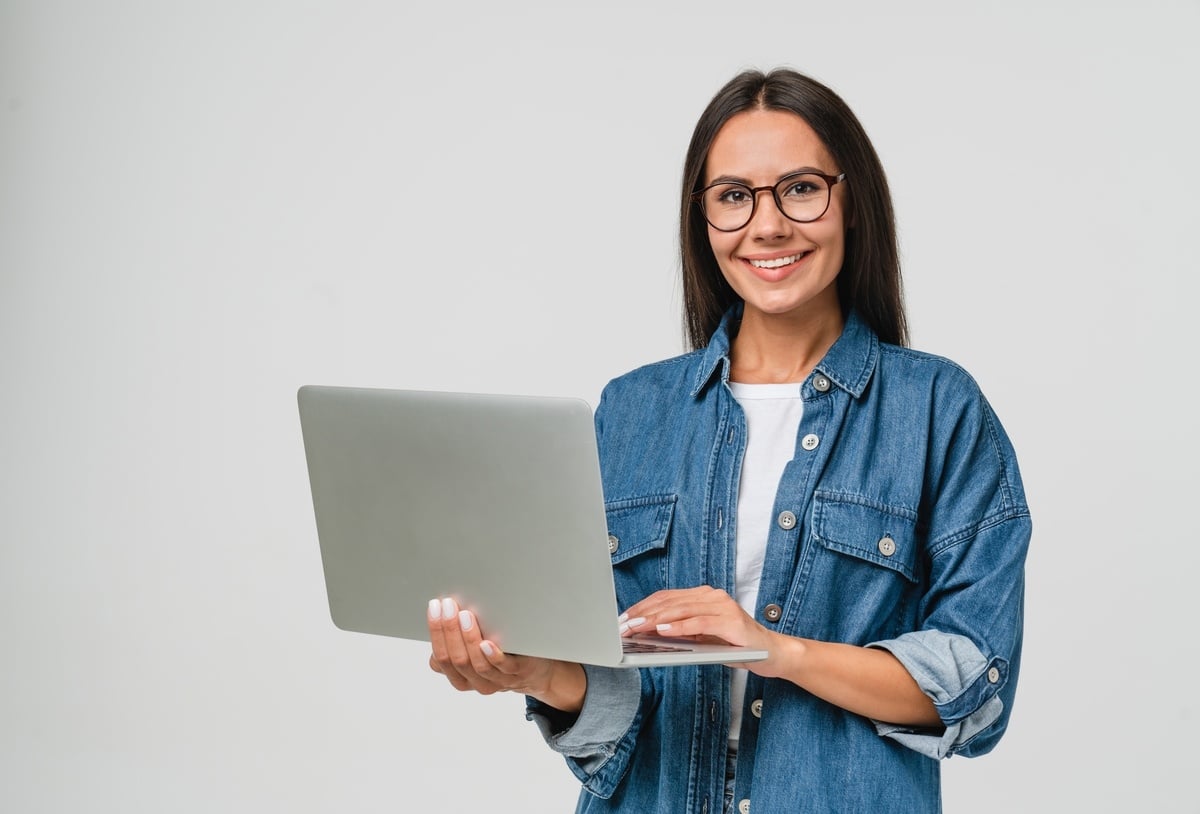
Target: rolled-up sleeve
{"x": 953, "y": 672}
{"x": 967, "y": 655}
{"x": 595, "y": 744}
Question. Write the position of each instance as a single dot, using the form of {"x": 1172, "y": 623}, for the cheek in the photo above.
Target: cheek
{"x": 723, "y": 244}
{"x": 830, "y": 236}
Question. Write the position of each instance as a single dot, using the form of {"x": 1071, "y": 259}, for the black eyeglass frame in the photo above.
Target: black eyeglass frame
{"x": 832, "y": 180}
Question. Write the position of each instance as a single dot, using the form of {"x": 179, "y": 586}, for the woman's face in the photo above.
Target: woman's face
{"x": 779, "y": 267}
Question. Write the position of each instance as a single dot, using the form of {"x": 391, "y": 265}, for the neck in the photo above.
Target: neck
{"x": 772, "y": 349}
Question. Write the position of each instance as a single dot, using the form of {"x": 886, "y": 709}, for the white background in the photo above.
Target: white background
{"x": 205, "y": 205}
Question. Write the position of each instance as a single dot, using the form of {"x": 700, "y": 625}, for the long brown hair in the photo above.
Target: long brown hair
{"x": 869, "y": 281}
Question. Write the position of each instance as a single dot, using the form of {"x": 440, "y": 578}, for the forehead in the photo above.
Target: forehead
{"x": 762, "y": 145}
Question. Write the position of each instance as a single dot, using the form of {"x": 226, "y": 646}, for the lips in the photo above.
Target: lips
{"x": 777, "y": 262}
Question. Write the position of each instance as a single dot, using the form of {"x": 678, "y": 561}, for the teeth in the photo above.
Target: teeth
{"x": 777, "y": 262}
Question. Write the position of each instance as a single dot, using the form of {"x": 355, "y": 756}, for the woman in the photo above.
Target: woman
{"x": 800, "y": 482}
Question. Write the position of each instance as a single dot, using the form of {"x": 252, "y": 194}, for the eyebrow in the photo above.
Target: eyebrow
{"x": 734, "y": 179}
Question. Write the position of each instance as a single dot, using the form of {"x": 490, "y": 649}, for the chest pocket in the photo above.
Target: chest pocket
{"x": 868, "y": 564}
{"x": 883, "y": 536}
{"x": 638, "y": 531}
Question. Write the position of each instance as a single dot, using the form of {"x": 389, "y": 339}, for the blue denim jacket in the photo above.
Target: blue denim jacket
{"x": 901, "y": 524}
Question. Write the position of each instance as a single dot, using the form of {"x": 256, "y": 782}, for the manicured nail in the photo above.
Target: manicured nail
{"x": 662, "y": 628}
{"x": 435, "y": 609}
{"x": 630, "y": 624}
{"x": 623, "y": 618}
{"x": 487, "y": 648}
{"x": 448, "y": 608}
{"x": 465, "y": 621}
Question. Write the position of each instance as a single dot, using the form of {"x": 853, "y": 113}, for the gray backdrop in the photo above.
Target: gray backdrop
{"x": 205, "y": 205}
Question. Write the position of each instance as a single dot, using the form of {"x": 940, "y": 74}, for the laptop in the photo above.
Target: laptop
{"x": 493, "y": 500}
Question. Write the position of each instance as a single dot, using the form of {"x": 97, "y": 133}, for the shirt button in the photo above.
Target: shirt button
{"x": 613, "y": 544}
{"x": 756, "y": 707}
{"x": 993, "y": 675}
{"x": 887, "y": 546}
{"x": 786, "y": 520}
{"x": 772, "y": 612}
{"x": 820, "y": 383}
{"x": 810, "y": 442}
{"x": 744, "y": 807}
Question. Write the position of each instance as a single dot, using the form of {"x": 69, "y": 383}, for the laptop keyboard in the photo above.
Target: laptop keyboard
{"x": 641, "y": 646}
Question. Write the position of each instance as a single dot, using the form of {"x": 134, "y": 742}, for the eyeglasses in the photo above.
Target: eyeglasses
{"x": 801, "y": 196}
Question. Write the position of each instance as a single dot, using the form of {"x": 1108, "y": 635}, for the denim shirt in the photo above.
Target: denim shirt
{"x": 900, "y": 523}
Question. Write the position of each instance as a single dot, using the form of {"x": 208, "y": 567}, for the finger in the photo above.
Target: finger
{"x": 661, "y": 601}
{"x": 731, "y": 625}
{"x": 632, "y": 626}
{"x": 437, "y": 640}
{"x": 472, "y": 638}
{"x": 462, "y": 645}
{"x": 524, "y": 674}
{"x": 439, "y": 659}
{"x": 500, "y": 668}
{"x": 452, "y": 635}
{"x": 456, "y": 681}
{"x": 666, "y": 607}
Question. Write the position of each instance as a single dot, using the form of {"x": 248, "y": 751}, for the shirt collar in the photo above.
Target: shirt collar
{"x": 848, "y": 364}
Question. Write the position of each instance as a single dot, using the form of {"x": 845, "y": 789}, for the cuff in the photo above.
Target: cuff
{"x": 963, "y": 683}
{"x": 609, "y": 707}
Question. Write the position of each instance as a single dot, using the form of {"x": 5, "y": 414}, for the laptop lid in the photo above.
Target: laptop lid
{"x": 494, "y": 500}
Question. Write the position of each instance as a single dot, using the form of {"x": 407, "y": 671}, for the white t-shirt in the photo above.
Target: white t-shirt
{"x": 773, "y": 413}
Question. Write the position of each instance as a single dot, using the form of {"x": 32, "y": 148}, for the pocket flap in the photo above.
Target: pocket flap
{"x": 883, "y": 535}
{"x": 638, "y": 524}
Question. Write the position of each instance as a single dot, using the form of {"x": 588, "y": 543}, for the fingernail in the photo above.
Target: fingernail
{"x": 487, "y": 648}
{"x": 465, "y": 621}
{"x": 448, "y": 608}
{"x": 623, "y": 618}
{"x": 628, "y": 625}
{"x": 435, "y": 609}
{"x": 661, "y": 628}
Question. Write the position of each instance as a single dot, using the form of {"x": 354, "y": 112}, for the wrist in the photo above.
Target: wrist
{"x": 790, "y": 660}
{"x": 566, "y": 686}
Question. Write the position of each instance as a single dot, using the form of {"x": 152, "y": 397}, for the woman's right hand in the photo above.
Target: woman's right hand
{"x": 471, "y": 662}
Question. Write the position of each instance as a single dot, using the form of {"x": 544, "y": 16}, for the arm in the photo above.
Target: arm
{"x": 867, "y": 681}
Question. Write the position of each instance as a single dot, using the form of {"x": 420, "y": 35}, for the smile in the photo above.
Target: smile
{"x": 778, "y": 262}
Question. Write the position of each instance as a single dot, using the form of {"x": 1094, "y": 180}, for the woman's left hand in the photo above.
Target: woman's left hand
{"x": 704, "y": 614}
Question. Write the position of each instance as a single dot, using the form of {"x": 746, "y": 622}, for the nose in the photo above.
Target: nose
{"x": 768, "y": 219}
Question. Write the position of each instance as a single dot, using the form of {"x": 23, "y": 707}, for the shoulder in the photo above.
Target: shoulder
{"x": 934, "y": 398}
{"x": 663, "y": 376}
{"x": 925, "y": 367}
{"x": 919, "y": 378}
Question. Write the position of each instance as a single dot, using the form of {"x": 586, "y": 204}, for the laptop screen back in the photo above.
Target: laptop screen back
{"x": 493, "y": 500}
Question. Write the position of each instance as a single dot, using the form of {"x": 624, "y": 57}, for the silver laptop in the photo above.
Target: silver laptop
{"x": 494, "y": 500}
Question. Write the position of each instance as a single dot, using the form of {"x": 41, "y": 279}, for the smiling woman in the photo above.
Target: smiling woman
{"x": 782, "y": 260}
{"x": 849, "y": 505}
